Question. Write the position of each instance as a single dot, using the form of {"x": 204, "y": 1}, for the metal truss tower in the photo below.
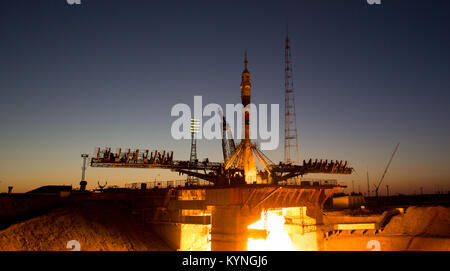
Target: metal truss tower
{"x": 291, "y": 153}
{"x": 195, "y": 126}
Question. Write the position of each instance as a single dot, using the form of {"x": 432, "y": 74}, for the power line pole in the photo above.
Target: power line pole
{"x": 83, "y": 169}
{"x": 83, "y": 182}
{"x": 368, "y": 187}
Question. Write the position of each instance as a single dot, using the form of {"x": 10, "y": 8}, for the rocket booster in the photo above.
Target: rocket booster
{"x": 246, "y": 86}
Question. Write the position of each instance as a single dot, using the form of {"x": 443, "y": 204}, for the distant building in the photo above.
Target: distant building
{"x": 348, "y": 201}
{"x": 59, "y": 190}
{"x": 83, "y": 185}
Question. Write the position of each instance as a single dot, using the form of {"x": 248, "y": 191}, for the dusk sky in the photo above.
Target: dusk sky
{"x": 106, "y": 73}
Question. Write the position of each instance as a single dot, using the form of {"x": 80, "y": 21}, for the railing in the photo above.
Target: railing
{"x": 184, "y": 183}
{"x": 310, "y": 182}
{"x": 167, "y": 184}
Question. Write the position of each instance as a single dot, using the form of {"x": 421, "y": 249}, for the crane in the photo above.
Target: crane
{"x": 384, "y": 173}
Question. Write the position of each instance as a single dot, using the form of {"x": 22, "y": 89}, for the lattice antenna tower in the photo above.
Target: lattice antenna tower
{"x": 291, "y": 153}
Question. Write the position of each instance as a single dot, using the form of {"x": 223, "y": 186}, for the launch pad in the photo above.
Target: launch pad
{"x": 238, "y": 194}
{"x": 195, "y": 217}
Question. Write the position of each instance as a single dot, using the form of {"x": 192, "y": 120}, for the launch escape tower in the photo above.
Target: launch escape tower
{"x": 291, "y": 153}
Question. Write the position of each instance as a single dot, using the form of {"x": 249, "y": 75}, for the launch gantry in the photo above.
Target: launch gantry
{"x": 238, "y": 167}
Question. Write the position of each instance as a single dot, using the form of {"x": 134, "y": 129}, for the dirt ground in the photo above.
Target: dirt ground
{"x": 99, "y": 226}
{"x": 418, "y": 229}
{"x": 109, "y": 226}
{"x": 421, "y": 221}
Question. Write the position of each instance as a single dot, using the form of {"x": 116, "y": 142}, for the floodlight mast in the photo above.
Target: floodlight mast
{"x": 195, "y": 128}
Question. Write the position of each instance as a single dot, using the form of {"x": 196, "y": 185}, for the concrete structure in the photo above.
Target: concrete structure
{"x": 186, "y": 217}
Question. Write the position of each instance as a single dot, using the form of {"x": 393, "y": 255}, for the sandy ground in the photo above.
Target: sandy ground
{"x": 108, "y": 226}
{"x": 421, "y": 221}
{"x": 418, "y": 229}
{"x": 99, "y": 226}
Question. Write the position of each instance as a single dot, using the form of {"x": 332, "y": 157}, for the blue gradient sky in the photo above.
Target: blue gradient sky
{"x": 106, "y": 73}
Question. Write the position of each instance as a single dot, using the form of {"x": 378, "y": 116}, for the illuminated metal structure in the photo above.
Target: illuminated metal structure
{"x": 228, "y": 145}
{"x": 212, "y": 171}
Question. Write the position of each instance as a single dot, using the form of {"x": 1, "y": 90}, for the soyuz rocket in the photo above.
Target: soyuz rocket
{"x": 247, "y": 158}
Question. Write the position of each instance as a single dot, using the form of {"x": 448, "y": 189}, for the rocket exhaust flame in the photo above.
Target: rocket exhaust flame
{"x": 285, "y": 229}
{"x": 277, "y": 238}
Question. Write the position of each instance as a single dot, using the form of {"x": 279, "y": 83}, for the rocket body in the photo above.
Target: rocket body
{"x": 246, "y": 87}
{"x": 248, "y": 161}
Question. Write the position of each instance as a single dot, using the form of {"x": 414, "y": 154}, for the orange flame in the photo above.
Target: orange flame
{"x": 277, "y": 239}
